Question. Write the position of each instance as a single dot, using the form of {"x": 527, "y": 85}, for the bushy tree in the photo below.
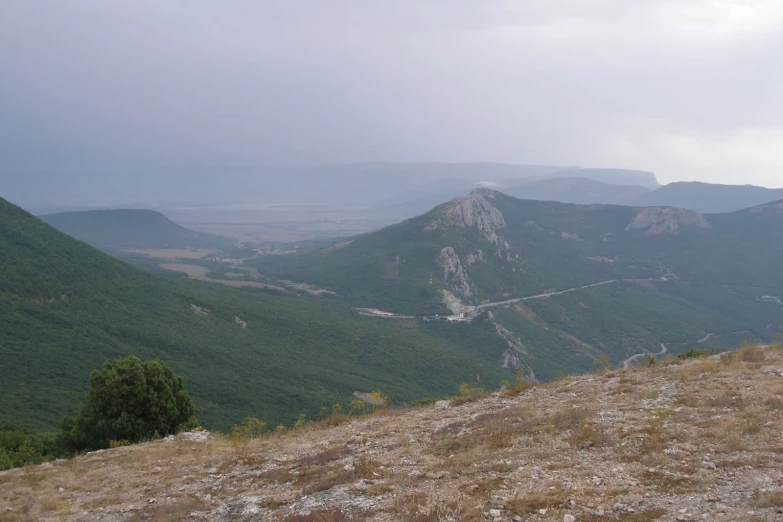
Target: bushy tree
{"x": 129, "y": 399}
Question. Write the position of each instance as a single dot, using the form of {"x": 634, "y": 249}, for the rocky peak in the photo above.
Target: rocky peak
{"x": 658, "y": 221}
{"x": 475, "y": 209}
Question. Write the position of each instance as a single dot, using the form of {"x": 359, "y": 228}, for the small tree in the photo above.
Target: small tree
{"x": 129, "y": 399}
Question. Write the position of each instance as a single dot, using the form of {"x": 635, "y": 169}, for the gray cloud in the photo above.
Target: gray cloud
{"x": 687, "y": 89}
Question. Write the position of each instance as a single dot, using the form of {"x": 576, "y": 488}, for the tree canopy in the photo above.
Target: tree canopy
{"x": 129, "y": 400}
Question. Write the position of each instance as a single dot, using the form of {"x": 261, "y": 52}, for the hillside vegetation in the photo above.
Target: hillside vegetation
{"x": 131, "y": 228}
{"x": 667, "y": 275}
{"x": 686, "y": 439}
{"x": 67, "y": 308}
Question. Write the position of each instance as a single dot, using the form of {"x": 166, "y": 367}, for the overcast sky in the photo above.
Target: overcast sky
{"x": 690, "y": 89}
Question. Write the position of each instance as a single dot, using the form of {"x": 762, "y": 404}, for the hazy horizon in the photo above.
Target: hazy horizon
{"x": 116, "y": 97}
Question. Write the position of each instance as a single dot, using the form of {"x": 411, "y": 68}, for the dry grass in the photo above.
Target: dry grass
{"x": 589, "y": 435}
{"x": 571, "y": 416}
{"x": 537, "y": 500}
{"x": 671, "y": 483}
{"x": 648, "y": 515}
{"x": 419, "y": 507}
{"x": 768, "y": 499}
{"x": 536, "y": 450}
{"x": 315, "y": 478}
{"x": 172, "y": 509}
{"x": 751, "y": 354}
{"x": 325, "y": 457}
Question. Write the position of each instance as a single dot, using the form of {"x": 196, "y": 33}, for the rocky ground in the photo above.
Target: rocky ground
{"x": 685, "y": 440}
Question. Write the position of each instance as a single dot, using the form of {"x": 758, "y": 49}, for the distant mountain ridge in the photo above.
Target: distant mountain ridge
{"x": 692, "y": 195}
{"x": 579, "y": 190}
{"x": 131, "y": 228}
{"x": 464, "y": 177}
{"x": 709, "y": 197}
{"x": 364, "y": 184}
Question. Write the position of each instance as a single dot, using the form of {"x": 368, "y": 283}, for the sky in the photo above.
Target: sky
{"x": 689, "y": 89}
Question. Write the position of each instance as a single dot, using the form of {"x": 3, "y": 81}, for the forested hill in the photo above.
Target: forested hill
{"x": 131, "y": 228}
{"x": 567, "y": 284}
{"x": 67, "y": 308}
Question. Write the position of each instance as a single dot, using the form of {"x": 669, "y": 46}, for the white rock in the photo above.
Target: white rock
{"x": 196, "y": 436}
{"x": 443, "y": 405}
{"x": 569, "y": 518}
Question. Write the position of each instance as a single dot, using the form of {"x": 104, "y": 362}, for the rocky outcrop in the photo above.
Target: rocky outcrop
{"x": 658, "y": 221}
{"x": 454, "y": 305}
{"x": 454, "y": 275}
{"x": 535, "y": 226}
{"x": 474, "y": 210}
{"x": 478, "y": 257}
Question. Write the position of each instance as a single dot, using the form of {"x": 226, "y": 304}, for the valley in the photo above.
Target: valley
{"x": 405, "y": 261}
{"x": 68, "y": 308}
{"x": 485, "y": 284}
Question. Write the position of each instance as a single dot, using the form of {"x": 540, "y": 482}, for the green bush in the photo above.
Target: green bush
{"x": 693, "y": 353}
{"x": 20, "y": 447}
{"x": 129, "y": 399}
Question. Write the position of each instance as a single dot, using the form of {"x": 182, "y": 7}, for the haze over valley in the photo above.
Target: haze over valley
{"x": 403, "y": 261}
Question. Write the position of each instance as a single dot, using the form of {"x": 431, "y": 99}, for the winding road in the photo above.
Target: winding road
{"x": 473, "y": 309}
{"x": 558, "y": 292}
{"x": 629, "y": 361}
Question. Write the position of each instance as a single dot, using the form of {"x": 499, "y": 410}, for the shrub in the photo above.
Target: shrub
{"x": 129, "y": 399}
{"x": 693, "y": 353}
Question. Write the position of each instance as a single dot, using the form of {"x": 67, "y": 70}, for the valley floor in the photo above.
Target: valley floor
{"x": 699, "y": 439}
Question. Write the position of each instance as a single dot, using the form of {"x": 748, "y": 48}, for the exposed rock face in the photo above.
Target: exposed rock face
{"x": 454, "y": 275}
{"x": 474, "y": 258}
{"x": 453, "y": 303}
{"x": 535, "y": 226}
{"x": 658, "y": 221}
{"x": 473, "y": 210}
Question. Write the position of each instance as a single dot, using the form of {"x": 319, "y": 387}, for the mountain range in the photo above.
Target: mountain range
{"x": 474, "y": 289}
{"x": 701, "y": 197}
{"x": 362, "y": 184}
{"x": 67, "y": 308}
{"x": 565, "y": 284}
{"x": 584, "y": 187}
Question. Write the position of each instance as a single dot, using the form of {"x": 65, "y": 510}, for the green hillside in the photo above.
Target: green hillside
{"x": 681, "y": 276}
{"x": 131, "y": 228}
{"x": 67, "y": 308}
